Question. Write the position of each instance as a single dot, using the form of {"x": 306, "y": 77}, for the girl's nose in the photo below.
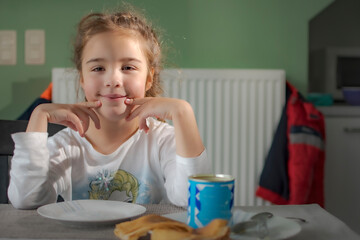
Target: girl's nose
{"x": 114, "y": 80}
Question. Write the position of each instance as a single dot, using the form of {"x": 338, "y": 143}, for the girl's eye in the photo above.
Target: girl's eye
{"x": 98, "y": 69}
{"x": 127, "y": 68}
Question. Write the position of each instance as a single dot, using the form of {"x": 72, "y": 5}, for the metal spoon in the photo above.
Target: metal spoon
{"x": 301, "y": 220}
{"x": 270, "y": 215}
{"x": 258, "y": 220}
{"x": 242, "y": 226}
{"x": 262, "y": 215}
{"x": 261, "y": 219}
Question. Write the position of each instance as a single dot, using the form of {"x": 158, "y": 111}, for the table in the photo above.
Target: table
{"x": 28, "y": 224}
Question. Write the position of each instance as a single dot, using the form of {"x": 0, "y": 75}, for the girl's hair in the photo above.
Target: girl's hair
{"x": 129, "y": 23}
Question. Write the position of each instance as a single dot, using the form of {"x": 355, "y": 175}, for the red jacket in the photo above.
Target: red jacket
{"x": 294, "y": 169}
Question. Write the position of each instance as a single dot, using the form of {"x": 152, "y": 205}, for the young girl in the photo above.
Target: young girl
{"x": 113, "y": 148}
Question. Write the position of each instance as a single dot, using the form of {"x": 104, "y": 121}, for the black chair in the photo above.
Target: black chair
{"x": 8, "y": 127}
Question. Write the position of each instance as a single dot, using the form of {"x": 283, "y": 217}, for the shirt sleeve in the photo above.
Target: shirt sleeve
{"x": 176, "y": 169}
{"x": 176, "y": 183}
{"x": 32, "y": 181}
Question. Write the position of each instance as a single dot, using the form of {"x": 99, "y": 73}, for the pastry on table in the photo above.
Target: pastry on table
{"x": 157, "y": 227}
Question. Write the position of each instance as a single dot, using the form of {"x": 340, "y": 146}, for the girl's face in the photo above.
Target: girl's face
{"x": 114, "y": 68}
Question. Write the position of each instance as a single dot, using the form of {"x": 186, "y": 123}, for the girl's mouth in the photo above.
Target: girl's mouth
{"x": 114, "y": 96}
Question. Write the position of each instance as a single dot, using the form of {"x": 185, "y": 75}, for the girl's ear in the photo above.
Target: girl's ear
{"x": 149, "y": 80}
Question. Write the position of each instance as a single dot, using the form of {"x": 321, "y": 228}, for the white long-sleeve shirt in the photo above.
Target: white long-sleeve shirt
{"x": 145, "y": 169}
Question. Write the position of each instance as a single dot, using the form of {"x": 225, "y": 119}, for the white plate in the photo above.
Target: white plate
{"x": 279, "y": 227}
{"x": 91, "y": 212}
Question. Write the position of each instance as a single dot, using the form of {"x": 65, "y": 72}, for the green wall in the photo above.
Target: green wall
{"x": 200, "y": 33}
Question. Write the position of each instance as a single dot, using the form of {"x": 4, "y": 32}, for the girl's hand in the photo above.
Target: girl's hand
{"x": 187, "y": 137}
{"x": 158, "y": 107}
{"x": 76, "y": 116}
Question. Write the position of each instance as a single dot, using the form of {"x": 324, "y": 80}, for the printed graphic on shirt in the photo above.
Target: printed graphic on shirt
{"x": 120, "y": 185}
{"x": 149, "y": 193}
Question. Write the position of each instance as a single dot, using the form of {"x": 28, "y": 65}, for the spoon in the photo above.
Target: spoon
{"x": 259, "y": 220}
{"x": 270, "y": 215}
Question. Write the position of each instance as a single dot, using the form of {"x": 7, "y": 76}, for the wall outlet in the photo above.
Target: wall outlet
{"x": 34, "y": 47}
{"x": 7, "y": 47}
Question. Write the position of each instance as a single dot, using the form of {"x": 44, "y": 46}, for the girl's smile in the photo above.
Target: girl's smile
{"x": 112, "y": 97}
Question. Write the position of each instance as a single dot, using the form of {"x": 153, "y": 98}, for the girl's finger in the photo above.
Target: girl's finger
{"x": 137, "y": 101}
{"x": 94, "y": 104}
{"x": 74, "y": 119}
{"x": 134, "y": 113}
{"x": 143, "y": 125}
{"x": 69, "y": 124}
{"x": 87, "y": 107}
{"x": 129, "y": 101}
{"x": 85, "y": 124}
{"x": 93, "y": 116}
{"x": 83, "y": 115}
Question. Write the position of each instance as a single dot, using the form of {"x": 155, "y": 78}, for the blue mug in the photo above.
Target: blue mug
{"x": 210, "y": 197}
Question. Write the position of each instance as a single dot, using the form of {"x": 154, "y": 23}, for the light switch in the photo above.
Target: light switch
{"x": 7, "y": 47}
{"x": 34, "y": 47}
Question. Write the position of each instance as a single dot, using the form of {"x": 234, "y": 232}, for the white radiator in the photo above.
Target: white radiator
{"x": 66, "y": 86}
{"x": 237, "y": 113}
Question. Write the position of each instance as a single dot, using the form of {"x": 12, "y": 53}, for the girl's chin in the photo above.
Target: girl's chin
{"x": 113, "y": 114}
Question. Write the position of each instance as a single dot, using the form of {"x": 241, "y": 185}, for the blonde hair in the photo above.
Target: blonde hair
{"x": 128, "y": 22}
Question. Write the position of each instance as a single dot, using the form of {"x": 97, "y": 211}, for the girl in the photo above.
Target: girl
{"x": 113, "y": 148}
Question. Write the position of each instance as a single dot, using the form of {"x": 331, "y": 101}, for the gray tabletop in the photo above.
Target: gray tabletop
{"x": 28, "y": 224}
